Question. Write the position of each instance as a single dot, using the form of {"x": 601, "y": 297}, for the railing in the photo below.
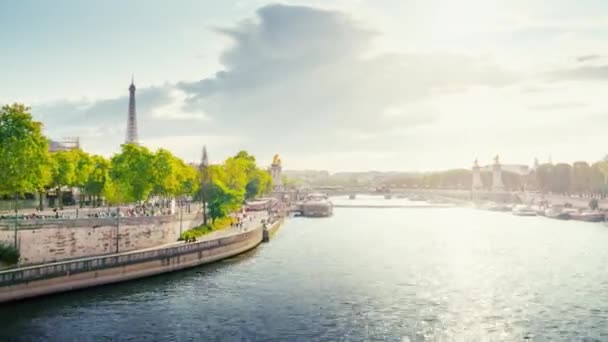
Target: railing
{"x": 94, "y": 221}
{"x": 60, "y": 269}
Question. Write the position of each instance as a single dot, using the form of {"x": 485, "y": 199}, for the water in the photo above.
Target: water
{"x": 364, "y": 274}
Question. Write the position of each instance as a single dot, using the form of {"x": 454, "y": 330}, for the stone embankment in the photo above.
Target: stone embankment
{"x": 57, "y": 277}
{"x": 466, "y": 196}
{"x": 44, "y": 241}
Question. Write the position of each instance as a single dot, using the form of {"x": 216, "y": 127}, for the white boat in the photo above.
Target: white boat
{"x": 316, "y": 205}
{"x": 559, "y": 212}
{"x": 523, "y": 210}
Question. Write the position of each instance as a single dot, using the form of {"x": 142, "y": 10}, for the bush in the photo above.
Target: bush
{"x": 9, "y": 254}
{"x": 594, "y": 204}
{"x": 199, "y": 231}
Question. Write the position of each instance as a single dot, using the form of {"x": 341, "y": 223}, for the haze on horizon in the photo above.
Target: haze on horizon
{"x": 332, "y": 85}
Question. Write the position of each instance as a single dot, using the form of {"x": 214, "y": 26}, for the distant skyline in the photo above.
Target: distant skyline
{"x": 337, "y": 85}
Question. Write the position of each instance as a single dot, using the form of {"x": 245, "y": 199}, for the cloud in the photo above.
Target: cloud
{"x": 587, "y": 58}
{"x": 584, "y": 73}
{"x": 296, "y": 80}
{"x": 297, "y": 75}
{"x": 101, "y": 124}
{"x": 557, "y": 106}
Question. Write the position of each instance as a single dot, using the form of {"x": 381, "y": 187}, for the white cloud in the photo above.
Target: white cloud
{"x": 301, "y": 81}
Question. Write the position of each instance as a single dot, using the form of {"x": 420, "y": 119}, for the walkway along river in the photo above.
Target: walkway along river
{"x": 362, "y": 274}
{"x": 50, "y": 278}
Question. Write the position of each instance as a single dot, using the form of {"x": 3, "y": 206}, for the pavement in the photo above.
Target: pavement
{"x": 248, "y": 225}
{"x": 256, "y": 221}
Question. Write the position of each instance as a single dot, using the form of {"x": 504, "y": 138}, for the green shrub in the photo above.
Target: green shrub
{"x": 9, "y": 254}
{"x": 199, "y": 231}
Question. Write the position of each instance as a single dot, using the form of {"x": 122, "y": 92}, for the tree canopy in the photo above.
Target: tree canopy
{"x": 23, "y": 152}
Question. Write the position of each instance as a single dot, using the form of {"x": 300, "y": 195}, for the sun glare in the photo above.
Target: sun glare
{"x": 459, "y": 19}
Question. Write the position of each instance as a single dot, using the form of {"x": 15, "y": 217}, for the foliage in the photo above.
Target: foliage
{"x": 132, "y": 175}
{"x": 98, "y": 177}
{"x": 132, "y": 171}
{"x": 206, "y": 229}
{"x": 230, "y": 184}
{"x": 23, "y": 152}
{"x": 594, "y": 204}
{"x": 291, "y": 183}
{"x": 259, "y": 184}
{"x": 222, "y": 200}
{"x": 165, "y": 173}
{"x": 9, "y": 254}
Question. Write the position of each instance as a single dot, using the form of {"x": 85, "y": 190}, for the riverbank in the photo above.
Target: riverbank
{"x": 28, "y": 282}
{"x": 430, "y": 274}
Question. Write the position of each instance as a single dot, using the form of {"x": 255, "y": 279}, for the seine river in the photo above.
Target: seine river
{"x": 399, "y": 274}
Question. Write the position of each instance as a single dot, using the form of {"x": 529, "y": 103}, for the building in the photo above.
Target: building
{"x": 275, "y": 172}
{"x": 66, "y": 144}
{"x": 131, "y": 137}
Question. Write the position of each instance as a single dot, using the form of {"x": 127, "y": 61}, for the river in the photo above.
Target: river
{"x": 394, "y": 274}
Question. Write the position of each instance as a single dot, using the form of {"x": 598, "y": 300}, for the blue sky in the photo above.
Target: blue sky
{"x": 333, "y": 84}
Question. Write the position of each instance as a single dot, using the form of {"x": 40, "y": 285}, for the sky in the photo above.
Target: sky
{"x": 338, "y": 85}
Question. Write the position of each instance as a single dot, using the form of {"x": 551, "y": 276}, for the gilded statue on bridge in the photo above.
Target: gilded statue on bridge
{"x": 276, "y": 160}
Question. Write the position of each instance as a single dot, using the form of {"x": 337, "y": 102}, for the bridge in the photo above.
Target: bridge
{"x": 457, "y": 195}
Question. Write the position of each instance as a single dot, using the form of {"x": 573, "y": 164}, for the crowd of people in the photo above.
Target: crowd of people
{"x": 154, "y": 209}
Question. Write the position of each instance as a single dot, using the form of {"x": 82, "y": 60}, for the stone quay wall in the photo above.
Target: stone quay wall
{"x": 44, "y": 241}
{"x": 64, "y": 276}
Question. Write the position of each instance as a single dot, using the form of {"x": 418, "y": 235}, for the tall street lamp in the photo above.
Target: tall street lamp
{"x": 204, "y": 168}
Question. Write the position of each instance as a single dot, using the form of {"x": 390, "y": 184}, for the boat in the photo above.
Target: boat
{"x": 501, "y": 207}
{"x": 523, "y": 210}
{"x": 316, "y": 205}
{"x": 588, "y": 216}
{"x": 559, "y": 212}
{"x": 417, "y": 198}
{"x": 492, "y": 206}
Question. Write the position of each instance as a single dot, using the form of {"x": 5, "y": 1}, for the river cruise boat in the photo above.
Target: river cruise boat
{"x": 588, "y": 216}
{"x": 559, "y": 212}
{"x": 491, "y": 206}
{"x": 316, "y": 205}
{"x": 523, "y": 210}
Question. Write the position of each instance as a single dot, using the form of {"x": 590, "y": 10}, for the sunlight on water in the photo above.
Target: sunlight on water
{"x": 439, "y": 274}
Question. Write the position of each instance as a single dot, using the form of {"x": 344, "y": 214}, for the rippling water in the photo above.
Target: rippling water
{"x": 416, "y": 274}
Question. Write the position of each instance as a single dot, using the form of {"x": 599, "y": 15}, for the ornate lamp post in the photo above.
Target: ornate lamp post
{"x": 204, "y": 168}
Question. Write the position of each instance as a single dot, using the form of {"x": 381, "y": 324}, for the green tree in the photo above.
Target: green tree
{"x": 23, "y": 152}
{"x": 265, "y": 182}
{"x": 544, "y": 177}
{"x": 132, "y": 172}
{"x": 602, "y": 167}
{"x": 189, "y": 180}
{"x": 166, "y": 169}
{"x": 581, "y": 177}
{"x": 63, "y": 171}
{"x": 222, "y": 200}
{"x": 98, "y": 177}
{"x": 85, "y": 165}
{"x": 562, "y": 178}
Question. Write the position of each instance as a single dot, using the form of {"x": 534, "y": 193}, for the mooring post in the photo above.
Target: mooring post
{"x": 181, "y": 208}
{"x": 117, "y": 227}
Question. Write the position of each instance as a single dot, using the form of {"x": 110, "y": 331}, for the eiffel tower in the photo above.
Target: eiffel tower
{"x": 132, "y": 119}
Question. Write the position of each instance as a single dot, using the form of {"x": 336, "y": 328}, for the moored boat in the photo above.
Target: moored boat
{"x": 523, "y": 210}
{"x": 491, "y": 206}
{"x": 588, "y": 216}
{"x": 559, "y": 212}
{"x": 316, "y": 205}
